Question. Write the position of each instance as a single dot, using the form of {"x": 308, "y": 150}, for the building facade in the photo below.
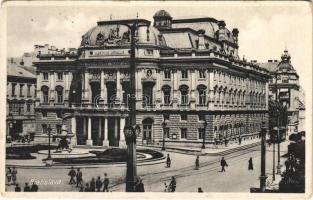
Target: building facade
{"x": 21, "y": 92}
{"x": 188, "y": 72}
{"x": 284, "y": 87}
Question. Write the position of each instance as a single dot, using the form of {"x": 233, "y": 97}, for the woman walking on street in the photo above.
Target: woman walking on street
{"x": 250, "y": 167}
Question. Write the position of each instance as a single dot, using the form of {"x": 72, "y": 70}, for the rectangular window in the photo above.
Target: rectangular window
{"x": 200, "y": 133}
{"x": 184, "y": 74}
{"x": 59, "y": 114}
{"x": 20, "y": 109}
{"x": 167, "y": 132}
{"x": 28, "y": 107}
{"x": 60, "y": 76}
{"x": 166, "y": 117}
{"x": 202, "y": 74}
{"x": 183, "y": 133}
{"x": 28, "y": 90}
{"x": 167, "y": 74}
{"x": 58, "y": 129}
{"x": 45, "y": 76}
{"x": 201, "y": 117}
{"x": 44, "y": 114}
{"x": 21, "y": 90}
{"x": 149, "y": 52}
{"x": 44, "y": 128}
{"x": 13, "y": 89}
{"x": 183, "y": 117}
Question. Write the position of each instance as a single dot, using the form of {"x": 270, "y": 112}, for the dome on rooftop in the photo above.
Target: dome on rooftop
{"x": 162, "y": 13}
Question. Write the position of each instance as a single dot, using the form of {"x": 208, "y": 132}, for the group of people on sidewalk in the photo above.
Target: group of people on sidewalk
{"x": 94, "y": 185}
{"x": 11, "y": 175}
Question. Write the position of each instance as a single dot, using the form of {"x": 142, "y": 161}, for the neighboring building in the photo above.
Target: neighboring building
{"x": 21, "y": 93}
{"x": 187, "y": 72}
{"x": 284, "y": 86}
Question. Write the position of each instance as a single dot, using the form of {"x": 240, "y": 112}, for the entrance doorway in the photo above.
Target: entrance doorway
{"x": 147, "y": 131}
{"x": 113, "y": 130}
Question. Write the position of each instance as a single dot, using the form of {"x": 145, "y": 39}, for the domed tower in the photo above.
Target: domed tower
{"x": 162, "y": 20}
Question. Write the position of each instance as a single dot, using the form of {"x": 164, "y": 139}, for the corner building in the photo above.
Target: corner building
{"x": 187, "y": 72}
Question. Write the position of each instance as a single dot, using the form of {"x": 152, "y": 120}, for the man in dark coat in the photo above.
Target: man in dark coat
{"x": 172, "y": 184}
{"x": 17, "y": 188}
{"x": 98, "y": 184}
{"x": 34, "y": 187}
{"x": 197, "y": 163}
{"x": 87, "y": 189}
{"x": 106, "y": 182}
{"x": 140, "y": 186}
{"x": 92, "y": 185}
{"x": 168, "y": 161}
{"x": 79, "y": 178}
{"x": 72, "y": 174}
{"x": 250, "y": 167}
{"x": 223, "y": 164}
{"x": 26, "y": 188}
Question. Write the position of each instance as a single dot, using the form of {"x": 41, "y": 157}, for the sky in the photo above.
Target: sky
{"x": 265, "y": 28}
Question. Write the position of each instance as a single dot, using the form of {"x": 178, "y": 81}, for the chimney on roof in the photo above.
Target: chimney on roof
{"x": 275, "y": 60}
{"x": 12, "y": 60}
{"x": 270, "y": 61}
{"x": 220, "y": 33}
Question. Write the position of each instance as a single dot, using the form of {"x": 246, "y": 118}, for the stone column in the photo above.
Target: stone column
{"x": 122, "y": 142}
{"x": 118, "y": 87}
{"x": 102, "y": 87}
{"x": 105, "y": 133}
{"x": 74, "y": 138}
{"x": 52, "y": 86}
{"x": 86, "y": 87}
{"x": 89, "y": 140}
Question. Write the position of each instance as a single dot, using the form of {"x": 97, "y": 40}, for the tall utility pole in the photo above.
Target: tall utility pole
{"x": 263, "y": 176}
{"x": 278, "y": 146}
{"x": 131, "y": 129}
{"x": 273, "y": 159}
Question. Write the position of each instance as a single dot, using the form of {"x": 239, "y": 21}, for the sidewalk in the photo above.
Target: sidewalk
{"x": 212, "y": 150}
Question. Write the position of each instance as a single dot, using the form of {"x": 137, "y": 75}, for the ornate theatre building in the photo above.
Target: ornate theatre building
{"x": 188, "y": 74}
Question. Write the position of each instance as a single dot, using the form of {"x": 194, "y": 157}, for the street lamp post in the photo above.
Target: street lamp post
{"x": 278, "y": 146}
{"x": 49, "y": 143}
{"x": 263, "y": 176}
{"x": 131, "y": 130}
{"x": 203, "y": 137}
{"x": 163, "y": 142}
{"x": 273, "y": 138}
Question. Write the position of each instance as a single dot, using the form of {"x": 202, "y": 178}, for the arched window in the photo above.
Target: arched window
{"x": 184, "y": 90}
{"x": 45, "y": 93}
{"x": 202, "y": 94}
{"x": 166, "y": 94}
{"x": 59, "y": 90}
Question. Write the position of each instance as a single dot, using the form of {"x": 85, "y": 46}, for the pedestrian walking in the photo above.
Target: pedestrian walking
{"x": 139, "y": 186}
{"x": 14, "y": 173}
{"x": 17, "y": 188}
{"x": 81, "y": 189}
{"x": 27, "y": 188}
{"x": 197, "y": 163}
{"x": 106, "y": 182}
{"x": 34, "y": 187}
{"x": 92, "y": 185}
{"x": 200, "y": 190}
{"x": 72, "y": 174}
{"x": 223, "y": 164}
{"x": 168, "y": 161}
{"x": 9, "y": 175}
{"x": 239, "y": 140}
{"x": 79, "y": 178}
{"x": 87, "y": 189}
{"x": 250, "y": 167}
{"x": 173, "y": 184}
{"x": 98, "y": 184}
